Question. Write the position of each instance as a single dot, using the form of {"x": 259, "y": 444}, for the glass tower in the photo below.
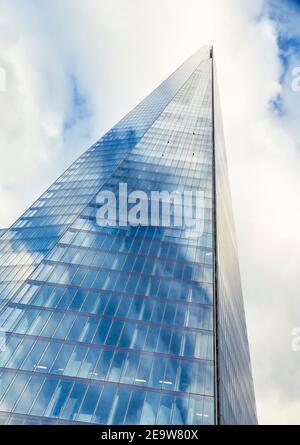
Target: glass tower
{"x": 130, "y": 324}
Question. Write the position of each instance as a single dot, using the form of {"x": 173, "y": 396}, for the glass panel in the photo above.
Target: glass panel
{"x": 104, "y": 405}
{"x": 59, "y": 398}
{"x": 29, "y": 394}
{"x": 13, "y": 392}
{"x": 119, "y": 407}
{"x": 44, "y": 397}
{"x": 135, "y": 408}
{"x": 150, "y": 408}
{"x": 89, "y": 404}
{"x": 73, "y": 404}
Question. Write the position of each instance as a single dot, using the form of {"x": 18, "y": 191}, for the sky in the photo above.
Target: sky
{"x": 70, "y": 69}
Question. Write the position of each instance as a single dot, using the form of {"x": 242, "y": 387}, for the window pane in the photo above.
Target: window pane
{"x": 59, "y": 398}
{"x": 72, "y": 406}
{"x": 105, "y": 404}
{"x": 13, "y": 392}
{"x": 89, "y": 404}
{"x": 44, "y": 397}
{"x": 135, "y": 408}
{"x": 119, "y": 407}
{"x": 29, "y": 395}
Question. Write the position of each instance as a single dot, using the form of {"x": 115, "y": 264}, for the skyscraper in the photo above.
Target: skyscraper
{"x": 130, "y": 323}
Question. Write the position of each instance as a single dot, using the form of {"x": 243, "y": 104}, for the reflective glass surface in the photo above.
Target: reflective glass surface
{"x": 235, "y": 389}
{"x": 116, "y": 325}
{"x": 36, "y": 232}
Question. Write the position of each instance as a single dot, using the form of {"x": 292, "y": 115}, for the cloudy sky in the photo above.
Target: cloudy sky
{"x": 73, "y": 68}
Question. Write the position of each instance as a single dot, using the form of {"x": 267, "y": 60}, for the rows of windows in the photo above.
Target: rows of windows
{"x": 164, "y": 234}
{"x": 46, "y": 221}
{"x": 19, "y": 419}
{"x": 22, "y": 258}
{"x": 169, "y": 181}
{"x": 145, "y": 112}
{"x": 52, "y": 211}
{"x": 131, "y": 263}
{"x": 109, "y": 332}
{"x": 172, "y": 203}
{"x": 142, "y": 162}
{"x": 42, "y": 232}
{"x": 138, "y": 246}
{"x": 71, "y": 185}
{"x": 132, "y": 169}
{"x": 116, "y": 305}
{"x": 179, "y": 158}
{"x": 185, "y": 144}
{"x": 179, "y": 127}
{"x": 109, "y": 280}
{"x": 131, "y": 368}
{"x": 141, "y": 333}
{"x": 12, "y": 273}
{"x": 197, "y": 122}
{"x": 138, "y": 182}
{"x": 80, "y": 191}
{"x": 40, "y": 239}
{"x": 185, "y": 234}
{"x": 42, "y": 245}
{"x": 98, "y": 403}
{"x": 103, "y": 173}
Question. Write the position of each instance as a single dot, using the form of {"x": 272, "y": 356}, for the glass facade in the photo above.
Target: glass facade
{"x": 120, "y": 325}
{"x": 236, "y": 398}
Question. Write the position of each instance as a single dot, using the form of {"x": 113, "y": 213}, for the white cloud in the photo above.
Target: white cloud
{"x": 114, "y": 53}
